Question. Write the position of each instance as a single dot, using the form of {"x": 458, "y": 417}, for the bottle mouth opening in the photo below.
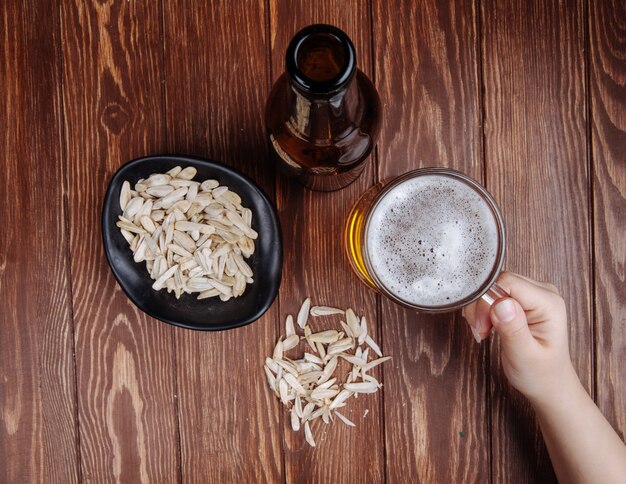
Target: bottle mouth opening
{"x": 320, "y": 59}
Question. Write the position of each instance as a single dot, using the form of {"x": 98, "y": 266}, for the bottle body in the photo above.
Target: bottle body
{"x": 323, "y": 130}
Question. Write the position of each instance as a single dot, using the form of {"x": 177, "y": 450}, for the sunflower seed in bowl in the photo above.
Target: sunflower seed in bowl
{"x": 193, "y": 236}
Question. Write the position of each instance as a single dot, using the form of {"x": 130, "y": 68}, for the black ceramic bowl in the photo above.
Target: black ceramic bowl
{"x": 188, "y": 312}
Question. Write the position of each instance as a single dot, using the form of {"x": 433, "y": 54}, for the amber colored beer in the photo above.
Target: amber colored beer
{"x": 432, "y": 239}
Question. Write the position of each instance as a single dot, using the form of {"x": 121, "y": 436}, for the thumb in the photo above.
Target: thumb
{"x": 509, "y": 321}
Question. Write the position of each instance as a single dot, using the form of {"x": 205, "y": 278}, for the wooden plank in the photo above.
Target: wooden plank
{"x": 216, "y": 83}
{"x": 436, "y": 417}
{"x": 315, "y": 265}
{"x": 608, "y": 141}
{"x": 536, "y": 158}
{"x": 113, "y": 112}
{"x": 38, "y": 433}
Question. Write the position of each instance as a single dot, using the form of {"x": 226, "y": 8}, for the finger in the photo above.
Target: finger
{"x": 545, "y": 285}
{"x": 482, "y": 319}
{"x": 468, "y": 313}
{"x": 530, "y": 296}
{"x": 509, "y": 321}
{"x": 477, "y": 316}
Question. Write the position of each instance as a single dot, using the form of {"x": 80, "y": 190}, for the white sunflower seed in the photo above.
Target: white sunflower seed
{"x": 291, "y": 342}
{"x": 320, "y": 349}
{"x": 328, "y": 370}
{"x": 160, "y": 190}
{"x": 317, "y": 414}
{"x": 372, "y": 379}
{"x": 199, "y": 284}
{"x": 287, "y": 366}
{"x": 303, "y": 313}
{"x": 308, "y": 435}
{"x": 157, "y": 215}
{"x": 328, "y": 336}
{"x": 283, "y": 388}
{"x": 295, "y": 420}
{"x": 321, "y": 393}
{"x": 147, "y": 223}
{"x": 132, "y": 207}
{"x": 298, "y": 406}
{"x": 324, "y": 311}
{"x": 180, "y": 183}
{"x": 173, "y": 197}
{"x": 158, "y": 284}
{"x": 353, "y": 322}
{"x": 177, "y": 249}
{"x": 124, "y": 195}
{"x": 313, "y": 359}
{"x": 328, "y": 384}
{"x": 346, "y": 328}
{"x": 294, "y": 383}
{"x": 289, "y": 328}
{"x": 340, "y": 398}
{"x": 271, "y": 379}
{"x": 310, "y": 376}
{"x": 278, "y": 350}
{"x": 209, "y": 185}
{"x": 192, "y": 193}
{"x": 361, "y": 387}
{"x": 208, "y": 294}
{"x": 271, "y": 364}
{"x": 376, "y": 362}
{"x": 174, "y": 171}
{"x": 127, "y": 235}
{"x": 363, "y": 334}
{"x": 372, "y": 344}
{"x": 157, "y": 179}
{"x": 307, "y": 410}
{"x": 218, "y": 191}
{"x": 344, "y": 419}
{"x": 353, "y": 359}
{"x": 187, "y": 173}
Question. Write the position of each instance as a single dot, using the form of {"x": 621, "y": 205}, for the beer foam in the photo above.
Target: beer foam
{"x": 432, "y": 240}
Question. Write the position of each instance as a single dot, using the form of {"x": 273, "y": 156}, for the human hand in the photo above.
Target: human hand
{"x": 532, "y": 326}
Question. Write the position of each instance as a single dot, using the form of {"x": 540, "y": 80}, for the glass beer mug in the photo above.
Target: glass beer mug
{"x": 432, "y": 240}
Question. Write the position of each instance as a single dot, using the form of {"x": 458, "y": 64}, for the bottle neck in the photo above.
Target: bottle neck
{"x": 320, "y": 60}
{"x": 323, "y": 118}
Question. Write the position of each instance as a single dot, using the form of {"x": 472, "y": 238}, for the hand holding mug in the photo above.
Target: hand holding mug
{"x": 532, "y": 325}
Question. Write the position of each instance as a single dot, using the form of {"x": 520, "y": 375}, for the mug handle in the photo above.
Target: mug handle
{"x": 494, "y": 293}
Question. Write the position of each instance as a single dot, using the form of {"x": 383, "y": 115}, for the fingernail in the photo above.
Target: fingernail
{"x": 504, "y": 311}
{"x": 476, "y": 334}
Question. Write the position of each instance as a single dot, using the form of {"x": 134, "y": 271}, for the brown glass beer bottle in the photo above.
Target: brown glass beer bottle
{"x": 323, "y": 113}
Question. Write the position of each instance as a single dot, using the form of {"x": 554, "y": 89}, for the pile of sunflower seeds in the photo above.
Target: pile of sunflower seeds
{"x": 308, "y": 386}
{"x": 193, "y": 236}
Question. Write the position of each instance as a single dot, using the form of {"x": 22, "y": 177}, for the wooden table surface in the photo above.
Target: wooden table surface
{"x": 528, "y": 97}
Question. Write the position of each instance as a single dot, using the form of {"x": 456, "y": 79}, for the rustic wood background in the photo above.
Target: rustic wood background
{"x": 529, "y": 97}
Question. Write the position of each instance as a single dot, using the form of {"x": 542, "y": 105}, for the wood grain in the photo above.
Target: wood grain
{"x": 315, "y": 265}
{"x": 607, "y": 73}
{"x": 38, "y": 434}
{"x": 436, "y": 417}
{"x": 537, "y": 167}
{"x": 125, "y": 366}
{"x": 215, "y": 85}
{"x": 91, "y": 389}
